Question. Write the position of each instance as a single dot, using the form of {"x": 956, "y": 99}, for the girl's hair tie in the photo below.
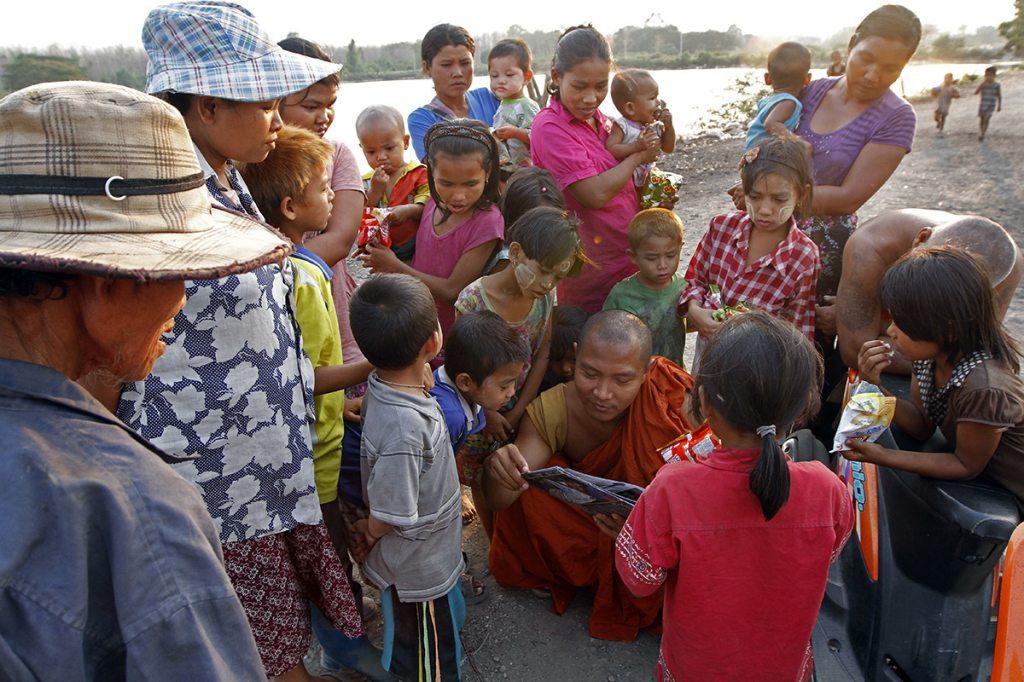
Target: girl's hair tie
{"x": 767, "y": 430}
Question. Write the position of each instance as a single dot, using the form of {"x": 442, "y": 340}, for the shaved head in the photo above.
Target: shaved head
{"x": 618, "y": 329}
{"x": 984, "y": 239}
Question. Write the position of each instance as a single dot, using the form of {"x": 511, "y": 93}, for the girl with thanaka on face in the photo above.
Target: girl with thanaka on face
{"x": 447, "y": 52}
{"x": 544, "y": 247}
{"x": 568, "y": 139}
{"x": 510, "y": 66}
{"x": 234, "y": 388}
{"x": 758, "y": 257}
{"x": 461, "y": 227}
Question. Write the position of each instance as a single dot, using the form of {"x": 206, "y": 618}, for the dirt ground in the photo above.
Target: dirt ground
{"x": 513, "y": 635}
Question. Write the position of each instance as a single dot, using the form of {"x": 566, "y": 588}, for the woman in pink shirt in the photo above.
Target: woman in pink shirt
{"x": 568, "y": 139}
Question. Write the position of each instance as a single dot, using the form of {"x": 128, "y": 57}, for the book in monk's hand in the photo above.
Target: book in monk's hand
{"x": 591, "y": 494}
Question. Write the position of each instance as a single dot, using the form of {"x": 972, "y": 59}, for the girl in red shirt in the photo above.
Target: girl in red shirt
{"x": 743, "y": 541}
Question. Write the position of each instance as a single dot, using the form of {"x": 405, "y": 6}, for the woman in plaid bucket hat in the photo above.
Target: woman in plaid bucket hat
{"x": 233, "y": 392}
{"x": 111, "y": 567}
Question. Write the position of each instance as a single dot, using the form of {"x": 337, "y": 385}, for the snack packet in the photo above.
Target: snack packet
{"x": 866, "y": 415}
{"x": 722, "y": 311}
{"x": 374, "y": 228}
{"x": 695, "y": 446}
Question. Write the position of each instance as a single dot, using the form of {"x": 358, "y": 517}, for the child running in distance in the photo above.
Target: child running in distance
{"x": 510, "y": 65}
{"x": 991, "y": 100}
{"x": 720, "y": 536}
{"x": 566, "y": 324}
{"x": 393, "y": 183}
{"x": 789, "y": 67}
{"x": 758, "y": 257}
{"x": 412, "y": 539}
{"x": 544, "y": 247}
{"x": 646, "y": 123}
{"x": 965, "y": 371}
{"x": 655, "y": 240}
{"x": 461, "y": 227}
{"x": 944, "y": 94}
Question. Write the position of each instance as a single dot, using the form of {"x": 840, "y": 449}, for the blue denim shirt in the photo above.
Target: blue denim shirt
{"x": 110, "y": 567}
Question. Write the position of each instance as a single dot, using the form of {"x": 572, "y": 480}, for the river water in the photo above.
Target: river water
{"x": 690, "y": 93}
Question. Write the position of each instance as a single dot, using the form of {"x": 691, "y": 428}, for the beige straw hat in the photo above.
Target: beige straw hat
{"x": 100, "y": 179}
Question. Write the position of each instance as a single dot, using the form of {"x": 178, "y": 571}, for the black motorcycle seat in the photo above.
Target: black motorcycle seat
{"x": 979, "y": 507}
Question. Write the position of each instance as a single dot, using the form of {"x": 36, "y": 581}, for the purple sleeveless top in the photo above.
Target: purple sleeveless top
{"x": 889, "y": 120}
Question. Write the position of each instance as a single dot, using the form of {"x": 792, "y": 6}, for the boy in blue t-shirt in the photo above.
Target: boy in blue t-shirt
{"x": 483, "y": 358}
{"x": 789, "y": 67}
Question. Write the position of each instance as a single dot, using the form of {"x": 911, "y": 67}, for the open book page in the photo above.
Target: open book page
{"x": 592, "y": 494}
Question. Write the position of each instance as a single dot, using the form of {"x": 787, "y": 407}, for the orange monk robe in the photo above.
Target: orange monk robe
{"x": 542, "y": 542}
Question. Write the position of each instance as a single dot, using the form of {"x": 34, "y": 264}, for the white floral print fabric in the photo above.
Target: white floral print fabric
{"x": 234, "y": 392}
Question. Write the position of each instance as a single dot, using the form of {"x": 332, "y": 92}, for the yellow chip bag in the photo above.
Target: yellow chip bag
{"x": 866, "y": 415}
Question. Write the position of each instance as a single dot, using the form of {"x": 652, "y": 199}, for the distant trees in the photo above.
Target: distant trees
{"x": 1013, "y": 30}
{"x": 28, "y": 69}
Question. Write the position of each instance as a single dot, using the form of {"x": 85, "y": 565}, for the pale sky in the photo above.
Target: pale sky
{"x": 39, "y": 23}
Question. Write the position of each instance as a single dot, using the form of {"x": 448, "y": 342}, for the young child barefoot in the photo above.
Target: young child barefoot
{"x": 646, "y": 123}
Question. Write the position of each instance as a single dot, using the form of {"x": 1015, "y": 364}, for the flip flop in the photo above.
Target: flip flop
{"x": 473, "y": 590}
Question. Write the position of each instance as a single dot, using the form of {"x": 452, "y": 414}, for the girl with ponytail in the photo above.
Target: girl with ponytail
{"x": 743, "y": 541}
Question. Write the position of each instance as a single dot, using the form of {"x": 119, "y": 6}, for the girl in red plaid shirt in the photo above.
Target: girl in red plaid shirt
{"x": 758, "y": 258}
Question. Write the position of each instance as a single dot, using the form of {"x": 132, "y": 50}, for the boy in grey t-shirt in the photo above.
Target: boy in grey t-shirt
{"x": 414, "y": 532}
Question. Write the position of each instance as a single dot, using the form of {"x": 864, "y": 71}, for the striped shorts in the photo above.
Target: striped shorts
{"x": 421, "y": 639}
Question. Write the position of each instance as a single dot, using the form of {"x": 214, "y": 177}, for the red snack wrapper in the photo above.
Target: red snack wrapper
{"x": 374, "y": 228}
{"x": 695, "y": 446}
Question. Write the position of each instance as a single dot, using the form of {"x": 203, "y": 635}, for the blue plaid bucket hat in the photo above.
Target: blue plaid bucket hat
{"x": 217, "y": 49}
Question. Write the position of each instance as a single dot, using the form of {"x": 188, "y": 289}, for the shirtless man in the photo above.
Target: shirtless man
{"x": 881, "y": 241}
{"x": 609, "y": 421}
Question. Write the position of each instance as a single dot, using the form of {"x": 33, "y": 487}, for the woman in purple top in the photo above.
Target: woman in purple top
{"x": 859, "y": 131}
{"x": 567, "y": 139}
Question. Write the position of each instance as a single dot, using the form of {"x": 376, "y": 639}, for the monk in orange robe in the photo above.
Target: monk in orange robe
{"x": 609, "y": 421}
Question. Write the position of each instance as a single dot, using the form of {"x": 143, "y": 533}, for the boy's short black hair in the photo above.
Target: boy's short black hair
{"x": 788, "y": 64}
{"x": 513, "y": 47}
{"x": 391, "y": 317}
{"x": 479, "y": 344}
{"x": 990, "y": 70}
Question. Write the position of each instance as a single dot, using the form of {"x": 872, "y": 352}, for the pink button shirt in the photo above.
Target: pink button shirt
{"x": 344, "y": 174}
{"x": 438, "y": 254}
{"x": 572, "y": 151}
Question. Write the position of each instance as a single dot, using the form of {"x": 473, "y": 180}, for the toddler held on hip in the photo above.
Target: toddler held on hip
{"x": 510, "y": 65}
{"x": 393, "y": 183}
{"x": 646, "y": 123}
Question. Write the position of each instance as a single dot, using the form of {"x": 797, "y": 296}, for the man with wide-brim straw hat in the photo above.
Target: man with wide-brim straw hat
{"x": 234, "y": 391}
{"x": 111, "y": 567}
